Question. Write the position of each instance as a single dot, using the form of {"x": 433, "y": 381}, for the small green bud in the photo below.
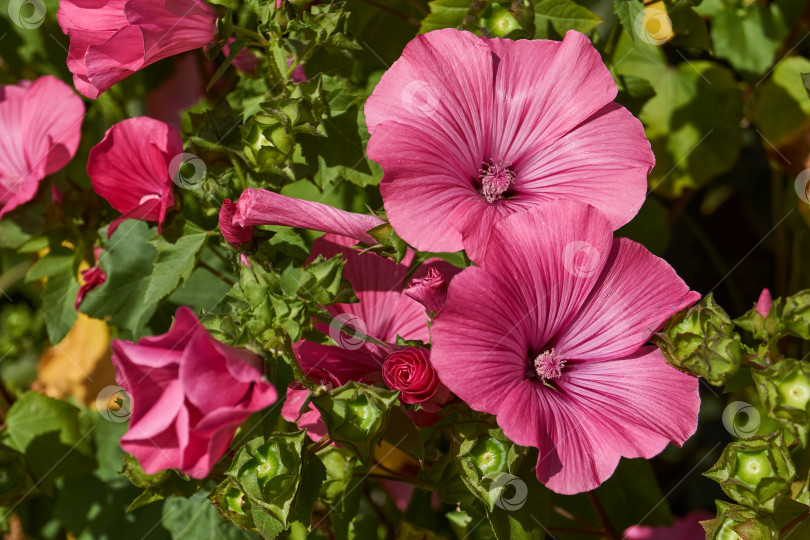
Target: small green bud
{"x": 784, "y": 389}
{"x": 702, "y": 341}
{"x": 754, "y": 472}
{"x": 735, "y": 522}
{"x": 489, "y": 456}
{"x": 498, "y": 20}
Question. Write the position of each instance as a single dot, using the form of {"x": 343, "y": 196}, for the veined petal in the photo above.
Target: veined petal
{"x": 637, "y": 293}
{"x": 603, "y": 162}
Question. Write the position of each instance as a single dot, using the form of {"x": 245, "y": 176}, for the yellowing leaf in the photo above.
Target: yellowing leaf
{"x": 79, "y": 365}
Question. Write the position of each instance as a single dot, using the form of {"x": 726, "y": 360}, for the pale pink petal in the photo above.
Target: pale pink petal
{"x": 543, "y": 90}
{"x": 636, "y": 295}
{"x": 262, "y": 207}
{"x": 52, "y": 115}
{"x": 601, "y": 411}
{"x": 603, "y": 162}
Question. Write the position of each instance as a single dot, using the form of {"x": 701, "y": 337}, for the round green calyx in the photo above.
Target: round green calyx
{"x": 499, "y": 20}
{"x": 753, "y": 466}
{"x": 489, "y": 456}
{"x": 794, "y": 391}
{"x": 361, "y": 412}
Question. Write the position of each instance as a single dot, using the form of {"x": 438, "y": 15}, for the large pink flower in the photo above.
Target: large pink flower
{"x": 469, "y": 130}
{"x": 548, "y": 334}
{"x": 262, "y": 207}
{"x": 40, "y": 128}
{"x": 383, "y": 313}
{"x": 112, "y": 39}
{"x": 130, "y": 168}
{"x": 189, "y": 393}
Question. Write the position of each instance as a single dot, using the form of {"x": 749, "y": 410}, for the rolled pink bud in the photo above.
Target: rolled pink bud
{"x": 765, "y": 302}
{"x": 92, "y": 278}
{"x": 409, "y": 371}
{"x": 262, "y": 207}
{"x": 430, "y": 291}
{"x": 233, "y": 233}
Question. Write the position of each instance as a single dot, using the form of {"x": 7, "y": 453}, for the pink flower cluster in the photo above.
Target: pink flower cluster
{"x": 515, "y": 152}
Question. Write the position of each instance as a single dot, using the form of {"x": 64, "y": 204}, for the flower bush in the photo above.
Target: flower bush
{"x": 438, "y": 269}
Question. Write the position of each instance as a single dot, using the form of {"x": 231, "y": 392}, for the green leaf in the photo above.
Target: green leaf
{"x": 48, "y": 432}
{"x": 156, "y": 486}
{"x": 749, "y": 36}
{"x": 694, "y": 134}
{"x": 632, "y": 494}
{"x": 313, "y": 475}
{"x": 553, "y": 18}
{"x": 806, "y": 83}
{"x": 445, "y": 14}
{"x": 129, "y": 261}
{"x": 627, "y": 11}
{"x": 521, "y": 509}
{"x": 781, "y": 107}
{"x": 402, "y": 433}
{"x": 59, "y": 294}
{"x": 233, "y": 49}
{"x": 176, "y": 257}
{"x": 196, "y": 518}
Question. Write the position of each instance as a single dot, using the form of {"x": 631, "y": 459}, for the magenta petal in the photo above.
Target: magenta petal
{"x": 262, "y": 207}
{"x": 183, "y": 327}
{"x": 130, "y": 166}
{"x": 636, "y": 295}
{"x": 310, "y": 419}
{"x": 233, "y": 233}
{"x": 347, "y": 364}
{"x": 156, "y": 453}
{"x": 202, "y": 371}
{"x": 764, "y": 303}
{"x": 155, "y": 412}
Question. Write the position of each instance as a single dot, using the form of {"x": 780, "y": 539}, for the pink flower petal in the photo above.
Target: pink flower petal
{"x": 637, "y": 293}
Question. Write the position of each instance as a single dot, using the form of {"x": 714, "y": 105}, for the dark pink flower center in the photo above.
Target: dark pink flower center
{"x": 549, "y": 364}
{"x": 496, "y": 179}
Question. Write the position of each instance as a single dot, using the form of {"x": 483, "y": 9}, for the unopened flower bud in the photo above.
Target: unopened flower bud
{"x": 430, "y": 291}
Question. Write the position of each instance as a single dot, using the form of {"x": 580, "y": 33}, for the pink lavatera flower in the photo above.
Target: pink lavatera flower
{"x": 40, "y": 128}
{"x": 383, "y": 313}
{"x": 183, "y": 89}
{"x": 409, "y": 371}
{"x": 262, "y": 207}
{"x": 686, "y": 528}
{"x": 430, "y": 291}
{"x": 189, "y": 393}
{"x": 469, "y": 130}
{"x": 548, "y": 334}
{"x": 91, "y": 278}
{"x": 112, "y": 39}
{"x": 130, "y": 169}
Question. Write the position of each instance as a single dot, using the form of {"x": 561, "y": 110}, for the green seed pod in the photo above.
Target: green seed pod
{"x": 702, "y": 341}
{"x": 735, "y": 522}
{"x": 754, "y": 472}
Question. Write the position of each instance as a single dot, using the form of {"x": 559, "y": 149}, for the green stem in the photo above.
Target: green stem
{"x": 260, "y": 39}
{"x": 610, "y": 532}
{"x": 403, "y": 479}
